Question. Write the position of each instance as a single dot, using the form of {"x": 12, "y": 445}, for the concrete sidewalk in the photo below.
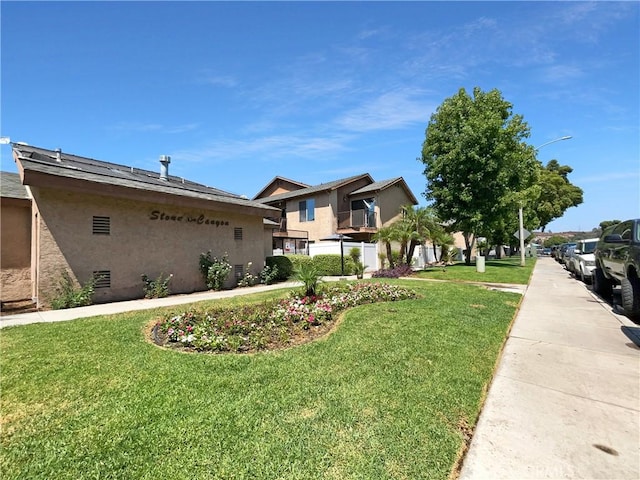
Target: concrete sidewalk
{"x": 565, "y": 399}
{"x": 132, "y": 305}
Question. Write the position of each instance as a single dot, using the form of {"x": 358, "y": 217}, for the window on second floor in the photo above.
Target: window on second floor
{"x": 307, "y": 210}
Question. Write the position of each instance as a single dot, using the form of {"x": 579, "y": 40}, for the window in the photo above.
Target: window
{"x": 363, "y": 212}
{"x": 237, "y": 233}
{"x": 101, "y": 225}
{"x": 307, "y": 210}
{"x": 102, "y": 278}
{"x": 624, "y": 230}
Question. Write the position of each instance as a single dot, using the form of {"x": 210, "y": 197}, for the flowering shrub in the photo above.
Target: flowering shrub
{"x": 269, "y": 274}
{"x": 248, "y": 279}
{"x": 256, "y": 327}
{"x": 158, "y": 288}
{"x": 396, "y": 272}
{"x": 214, "y": 270}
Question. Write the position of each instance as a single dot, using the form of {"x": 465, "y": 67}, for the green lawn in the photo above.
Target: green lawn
{"x": 387, "y": 395}
{"x": 506, "y": 270}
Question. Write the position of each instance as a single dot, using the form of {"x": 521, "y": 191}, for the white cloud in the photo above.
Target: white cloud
{"x": 266, "y": 148}
{"x": 139, "y": 127}
{"x": 217, "y": 80}
{"x": 608, "y": 177}
{"x": 391, "y": 110}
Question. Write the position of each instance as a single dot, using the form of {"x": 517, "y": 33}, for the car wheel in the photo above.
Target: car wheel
{"x": 601, "y": 284}
{"x": 631, "y": 298}
{"x": 582, "y": 277}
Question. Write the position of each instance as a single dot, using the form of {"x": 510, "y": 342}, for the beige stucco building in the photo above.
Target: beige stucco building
{"x": 113, "y": 222}
{"x": 356, "y": 206}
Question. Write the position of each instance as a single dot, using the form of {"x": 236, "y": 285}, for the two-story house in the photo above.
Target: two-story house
{"x": 356, "y": 207}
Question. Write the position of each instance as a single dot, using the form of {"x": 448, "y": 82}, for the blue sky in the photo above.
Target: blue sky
{"x": 239, "y": 92}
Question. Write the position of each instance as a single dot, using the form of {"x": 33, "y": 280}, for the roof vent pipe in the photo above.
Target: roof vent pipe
{"x": 165, "y": 160}
{"x": 58, "y": 155}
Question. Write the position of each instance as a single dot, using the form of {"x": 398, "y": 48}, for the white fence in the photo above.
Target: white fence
{"x": 368, "y": 252}
{"x": 423, "y": 254}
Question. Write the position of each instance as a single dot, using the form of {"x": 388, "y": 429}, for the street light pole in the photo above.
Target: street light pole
{"x": 520, "y": 219}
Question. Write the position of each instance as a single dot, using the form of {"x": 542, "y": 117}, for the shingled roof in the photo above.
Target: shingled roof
{"x": 372, "y": 187}
{"x": 61, "y": 164}
{"x": 383, "y": 184}
{"x": 10, "y": 186}
{"x": 323, "y": 187}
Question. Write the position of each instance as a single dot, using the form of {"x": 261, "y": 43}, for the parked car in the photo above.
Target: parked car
{"x": 561, "y": 251}
{"x": 583, "y": 260}
{"x": 617, "y": 258}
{"x": 567, "y": 254}
{"x": 546, "y": 252}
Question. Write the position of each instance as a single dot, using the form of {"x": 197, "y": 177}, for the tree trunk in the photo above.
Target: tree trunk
{"x": 389, "y": 255}
{"x": 410, "y": 252}
{"x": 469, "y": 241}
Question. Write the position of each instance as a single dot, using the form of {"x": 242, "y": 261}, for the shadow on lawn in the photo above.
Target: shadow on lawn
{"x": 505, "y": 263}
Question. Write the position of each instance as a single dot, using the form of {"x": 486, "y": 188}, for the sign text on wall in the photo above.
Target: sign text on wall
{"x": 199, "y": 220}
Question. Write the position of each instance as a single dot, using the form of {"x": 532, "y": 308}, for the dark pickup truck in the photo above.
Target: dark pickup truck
{"x": 618, "y": 263}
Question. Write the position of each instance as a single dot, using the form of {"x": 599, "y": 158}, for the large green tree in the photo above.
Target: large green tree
{"x": 557, "y": 193}
{"x": 477, "y": 164}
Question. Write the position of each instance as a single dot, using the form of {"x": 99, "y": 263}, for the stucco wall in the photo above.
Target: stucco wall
{"x": 325, "y": 217}
{"x": 144, "y": 238}
{"x": 15, "y": 255}
{"x": 389, "y": 202}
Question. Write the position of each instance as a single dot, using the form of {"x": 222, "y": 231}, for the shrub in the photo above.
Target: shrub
{"x": 354, "y": 254}
{"x": 298, "y": 259}
{"x": 67, "y": 294}
{"x": 268, "y": 275}
{"x": 214, "y": 270}
{"x": 158, "y": 288}
{"x": 399, "y": 271}
{"x": 284, "y": 265}
{"x": 248, "y": 279}
{"x": 308, "y": 274}
{"x": 331, "y": 264}
{"x": 395, "y": 256}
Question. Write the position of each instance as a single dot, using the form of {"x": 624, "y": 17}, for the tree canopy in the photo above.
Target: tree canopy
{"x": 477, "y": 164}
{"x": 557, "y": 193}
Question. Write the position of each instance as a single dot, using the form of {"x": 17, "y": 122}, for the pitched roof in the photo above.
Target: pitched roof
{"x": 43, "y": 161}
{"x": 11, "y": 187}
{"x": 278, "y": 178}
{"x": 384, "y": 184}
{"x": 323, "y": 187}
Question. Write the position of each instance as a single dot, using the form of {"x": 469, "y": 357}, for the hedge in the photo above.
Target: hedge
{"x": 331, "y": 264}
{"x": 284, "y": 264}
{"x": 299, "y": 259}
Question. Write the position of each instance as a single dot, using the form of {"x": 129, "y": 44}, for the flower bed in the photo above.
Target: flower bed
{"x": 269, "y": 325}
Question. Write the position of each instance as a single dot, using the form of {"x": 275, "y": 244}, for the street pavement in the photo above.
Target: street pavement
{"x": 565, "y": 399}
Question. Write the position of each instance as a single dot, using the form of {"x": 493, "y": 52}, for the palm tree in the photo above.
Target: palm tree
{"x": 386, "y": 235}
{"x": 418, "y": 224}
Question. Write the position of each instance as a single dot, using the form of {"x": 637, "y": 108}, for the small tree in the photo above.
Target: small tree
{"x": 386, "y": 235}
{"x": 308, "y": 274}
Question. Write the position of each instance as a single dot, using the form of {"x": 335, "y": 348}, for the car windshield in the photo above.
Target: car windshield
{"x": 589, "y": 247}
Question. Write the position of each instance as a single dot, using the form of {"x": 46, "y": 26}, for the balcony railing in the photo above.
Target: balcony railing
{"x": 357, "y": 219}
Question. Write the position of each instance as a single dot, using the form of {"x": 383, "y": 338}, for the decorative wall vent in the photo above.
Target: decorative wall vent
{"x": 237, "y": 233}
{"x": 102, "y": 278}
{"x": 238, "y": 271}
{"x": 101, "y": 225}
